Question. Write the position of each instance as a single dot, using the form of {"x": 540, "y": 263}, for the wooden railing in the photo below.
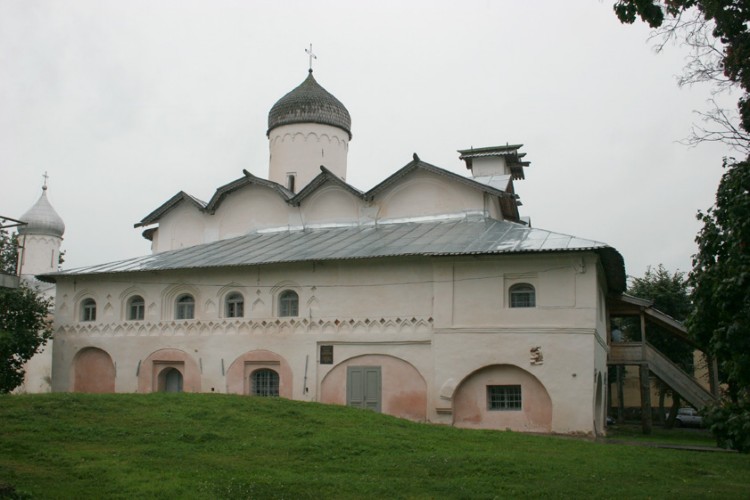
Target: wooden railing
{"x": 636, "y": 353}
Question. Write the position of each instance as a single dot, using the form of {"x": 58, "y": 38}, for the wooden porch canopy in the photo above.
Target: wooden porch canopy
{"x": 649, "y": 359}
{"x": 627, "y": 305}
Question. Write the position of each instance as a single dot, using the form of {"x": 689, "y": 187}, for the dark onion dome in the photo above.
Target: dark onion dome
{"x": 309, "y": 103}
{"x": 42, "y": 219}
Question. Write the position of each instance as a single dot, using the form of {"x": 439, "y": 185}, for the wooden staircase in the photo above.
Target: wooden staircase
{"x": 638, "y": 353}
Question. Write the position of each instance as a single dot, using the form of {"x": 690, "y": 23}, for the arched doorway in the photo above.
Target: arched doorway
{"x": 260, "y": 373}
{"x": 153, "y": 372}
{"x": 170, "y": 380}
{"x": 264, "y": 382}
{"x": 502, "y": 397}
{"x": 378, "y": 382}
{"x": 93, "y": 371}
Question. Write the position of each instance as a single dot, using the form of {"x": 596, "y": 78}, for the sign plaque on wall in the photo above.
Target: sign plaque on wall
{"x": 326, "y": 355}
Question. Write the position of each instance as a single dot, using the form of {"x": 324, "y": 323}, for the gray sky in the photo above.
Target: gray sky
{"x": 125, "y": 103}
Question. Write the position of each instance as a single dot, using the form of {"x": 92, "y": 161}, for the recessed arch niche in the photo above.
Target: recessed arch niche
{"x": 93, "y": 371}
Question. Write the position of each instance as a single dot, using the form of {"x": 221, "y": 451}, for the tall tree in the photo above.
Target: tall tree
{"x": 721, "y": 294}
{"x": 721, "y": 268}
{"x": 721, "y": 279}
{"x": 25, "y": 327}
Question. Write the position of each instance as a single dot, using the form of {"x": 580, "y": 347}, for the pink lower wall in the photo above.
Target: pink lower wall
{"x": 470, "y": 401}
{"x": 404, "y": 391}
{"x": 158, "y": 361}
{"x": 238, "y": 374}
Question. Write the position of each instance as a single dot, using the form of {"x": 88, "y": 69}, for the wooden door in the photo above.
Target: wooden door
{"x": 363, "y": 387}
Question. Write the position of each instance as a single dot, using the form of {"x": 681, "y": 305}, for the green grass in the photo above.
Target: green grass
{"x": 219, "y": 446}
{"x": 631, "y": 432}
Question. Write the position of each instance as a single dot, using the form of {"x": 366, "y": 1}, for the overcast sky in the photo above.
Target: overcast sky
{"x": 125, "y": 103}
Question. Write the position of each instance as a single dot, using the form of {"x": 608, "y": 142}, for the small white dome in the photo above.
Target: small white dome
{"x": 42, "y": 219}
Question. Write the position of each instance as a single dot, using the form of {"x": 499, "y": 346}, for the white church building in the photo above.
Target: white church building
{"x": 427, "y": 297}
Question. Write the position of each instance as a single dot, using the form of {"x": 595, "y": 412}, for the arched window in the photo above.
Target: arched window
{"x": 235, "y": 305}
{"x": 264, "y": 382}
{"x": 288, "y": 303}
{"x": 136, "y": 308}
{"x": 185, "y": 307}
{"x": 88, "y": 310}
{"x": 522, "y": 295}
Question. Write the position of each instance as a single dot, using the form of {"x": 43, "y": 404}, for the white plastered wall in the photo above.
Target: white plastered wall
{"x": 300, "y": 149}
{"x": 456, "y": 320}
{"x": 422, "y": 194}
{"x": 40, "y": 254}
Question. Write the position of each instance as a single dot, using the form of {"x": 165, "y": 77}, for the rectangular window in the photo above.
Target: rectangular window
{"x": 326, "y": 355}
{"x": 185, "y": 311}
{"x": 504, "y": 397}
{"x": 235, "y": 309}
{"x": 89, "y": 313}
{"x": 136, "y": 310}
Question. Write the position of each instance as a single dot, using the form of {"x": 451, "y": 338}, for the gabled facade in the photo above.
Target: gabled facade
{"x": 425, "y": 297}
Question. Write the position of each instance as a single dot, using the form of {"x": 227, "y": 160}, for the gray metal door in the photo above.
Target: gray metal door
{"x": 363, "y": 387}
{"x": 173, "y": 380}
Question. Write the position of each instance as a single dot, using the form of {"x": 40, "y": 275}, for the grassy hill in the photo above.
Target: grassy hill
{"x": 220, "y": 446}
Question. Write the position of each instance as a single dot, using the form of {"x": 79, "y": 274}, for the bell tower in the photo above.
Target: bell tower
{"x": 40, "y": 238}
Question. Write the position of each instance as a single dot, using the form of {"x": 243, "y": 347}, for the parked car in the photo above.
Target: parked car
{"x": 688, "y": 417}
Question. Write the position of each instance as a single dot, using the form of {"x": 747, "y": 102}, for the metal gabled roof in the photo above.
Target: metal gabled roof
{"x": 249, "y": 178}
{"x": 168, "y": 205}
{"x": 501, "y": 182}
{"x": 508, "y": 149}
{"x": 492, "y": 187}
{"x": 216, "y": 199}
{"x": 324, "y": 176}
{"x": 418, "y": 164}
{"x": 436, "y": 238}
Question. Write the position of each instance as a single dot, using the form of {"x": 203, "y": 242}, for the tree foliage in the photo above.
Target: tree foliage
{"x": 8, "y": 252}
{"x": 718, "y": 31}
{"x": 718, "y": 34}
{"x": 721, "y": 280}
{"x": 25, "y": 327}
{"x": 721, "y": 295}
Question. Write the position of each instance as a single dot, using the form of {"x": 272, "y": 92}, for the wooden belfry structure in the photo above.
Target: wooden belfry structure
{"x": 649, "y": 360}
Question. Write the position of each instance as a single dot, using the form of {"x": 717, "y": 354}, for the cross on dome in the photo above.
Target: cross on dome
{"x": 312, "y": 56}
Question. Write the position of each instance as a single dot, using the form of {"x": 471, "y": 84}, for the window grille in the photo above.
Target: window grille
{"x": 522, "y": 295}
{"x": 504, "y": 397}
{"x": 265, "y": 382}
{"x": 326, "y": 355}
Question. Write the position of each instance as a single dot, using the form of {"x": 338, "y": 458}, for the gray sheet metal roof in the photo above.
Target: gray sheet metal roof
{"x": 436, "y": 238}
